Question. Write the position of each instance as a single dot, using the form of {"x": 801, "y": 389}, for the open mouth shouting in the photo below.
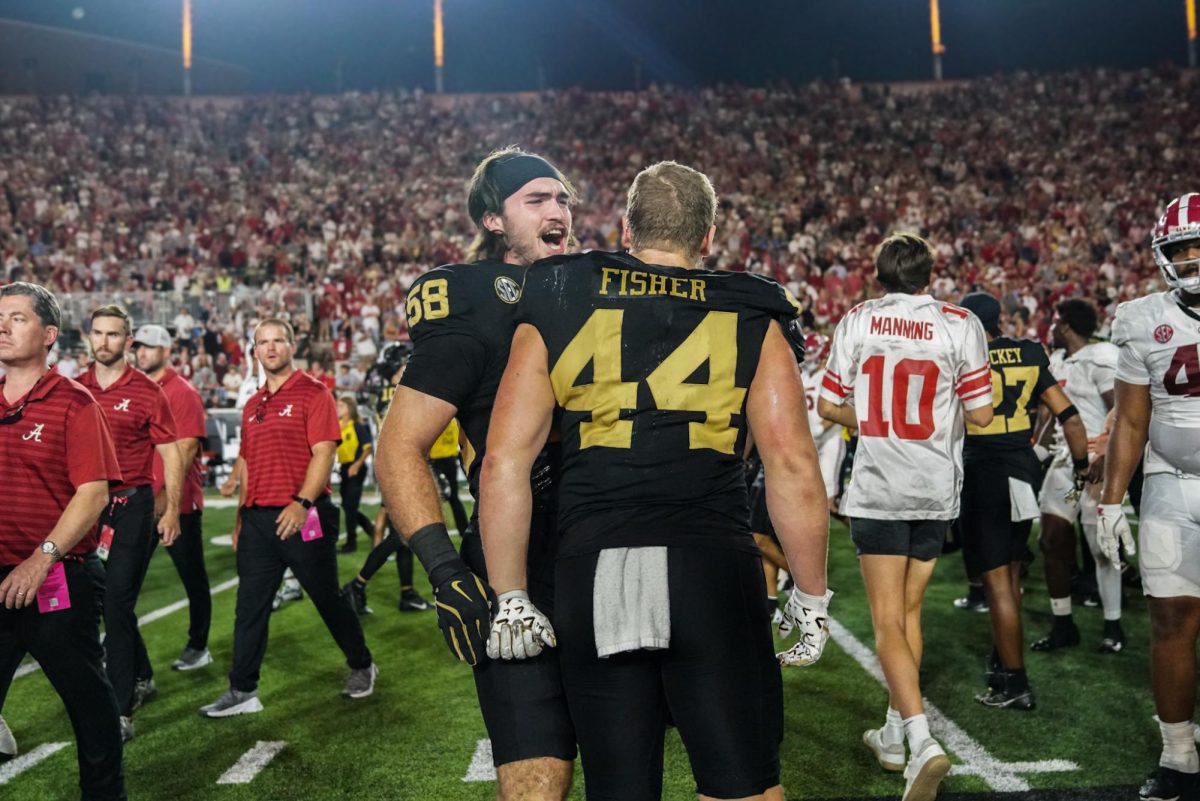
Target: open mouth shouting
{"x": 554, "y": 240}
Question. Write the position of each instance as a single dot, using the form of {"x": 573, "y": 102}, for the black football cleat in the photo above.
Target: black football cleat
{"x": 1008, "y": 692}
{"x": 1113, "y": 641}
{"x": 1168, "y": 784}
{"x": 1063, "y": 635}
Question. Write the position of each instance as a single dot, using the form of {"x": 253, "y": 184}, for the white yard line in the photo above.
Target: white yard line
{"x": 11, "y": 770}
{"x": 32, "y": 666}
{"x": 481, "y": 768}
{"x": 252, "y": 762}
{"x": 976, "y": 761}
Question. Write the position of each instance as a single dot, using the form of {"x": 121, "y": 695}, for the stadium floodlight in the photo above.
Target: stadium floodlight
{"x": 935, "y": 34}
{"x": 1191, "y": 20}
{"x": 187, "y": 48}
{"x": 438, "y": 46}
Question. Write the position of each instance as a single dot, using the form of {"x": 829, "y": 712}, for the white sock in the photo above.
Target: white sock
{"x": 1108, "y": 584}
{"x": 1179, "y": 747}
{"x": 916, "y": 729}
{"x": 893, "y": 728}
{"x": 1060, "y": 606}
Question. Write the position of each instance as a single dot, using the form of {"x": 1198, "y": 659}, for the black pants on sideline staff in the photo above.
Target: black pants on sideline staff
{"x": 447, "y": 468}
{"x": 352, "y": 490}
{"x": 66, "y": 644}
{"x": 134, "y": 540}
{"x": 261, "y": 559}
{"x": 391, "y": 544}
{"x": 188, "y": 555}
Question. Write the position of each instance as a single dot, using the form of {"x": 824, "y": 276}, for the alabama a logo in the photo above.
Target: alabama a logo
{"x": 123, "y": 406}
{"x": 507, "y": 289}
{"x": 36, "y": 434}
{"x": 287, "y": 411}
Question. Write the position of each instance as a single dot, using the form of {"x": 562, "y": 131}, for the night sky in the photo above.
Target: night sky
{"x": 510, "y": 45}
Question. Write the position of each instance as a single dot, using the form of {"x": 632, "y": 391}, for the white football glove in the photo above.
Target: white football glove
{"x": 1113, "y": 532}
{"x": 519, "y": 629}
{"x": 809, "y": 614}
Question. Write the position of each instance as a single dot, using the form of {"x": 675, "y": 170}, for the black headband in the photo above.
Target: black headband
{"x": 510, "y": 173}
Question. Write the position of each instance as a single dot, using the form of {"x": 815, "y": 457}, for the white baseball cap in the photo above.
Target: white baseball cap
{"x": 153, "y": 335}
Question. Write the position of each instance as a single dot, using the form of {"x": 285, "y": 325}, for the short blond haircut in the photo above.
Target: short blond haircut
{"x": 670, "y": 207}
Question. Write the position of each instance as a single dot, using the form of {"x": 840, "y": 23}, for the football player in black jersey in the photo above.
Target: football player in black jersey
{"x": 461, "y": 318}
{"x": 655, "y": 371}
{"x": 999, "y": 498}
{"x": 379, "y": 387}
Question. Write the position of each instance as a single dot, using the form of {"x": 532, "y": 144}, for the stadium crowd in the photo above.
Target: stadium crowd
{"x": 1032, "y": 187}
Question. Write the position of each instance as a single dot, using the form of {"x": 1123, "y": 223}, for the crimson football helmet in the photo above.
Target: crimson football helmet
{"x": 816, "y": 350}
{"x": 1179, "y": 223}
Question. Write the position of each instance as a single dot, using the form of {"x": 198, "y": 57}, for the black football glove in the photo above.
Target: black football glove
{"x": 461, "y": 600}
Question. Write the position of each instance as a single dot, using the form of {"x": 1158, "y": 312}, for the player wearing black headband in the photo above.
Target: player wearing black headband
{"x": 462, "y": 318}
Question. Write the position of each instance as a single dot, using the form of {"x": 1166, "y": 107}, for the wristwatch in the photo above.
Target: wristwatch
{"x": 50, "y": 549}
{"x": 305, "y": 502}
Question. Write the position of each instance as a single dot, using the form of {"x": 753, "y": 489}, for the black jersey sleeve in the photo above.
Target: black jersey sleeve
{"x": 448, "y": 356}
{"x": 1036, "y": 355}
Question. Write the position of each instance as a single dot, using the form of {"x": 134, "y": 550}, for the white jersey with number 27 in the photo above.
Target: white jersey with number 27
{"x": 909, "y": 364}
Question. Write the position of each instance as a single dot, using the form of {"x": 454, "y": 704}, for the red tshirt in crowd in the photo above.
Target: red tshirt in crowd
{"x": 278, "y": 433}
{"x": 188, "y": 411}
{"x": 51, "y": 441}
{"x": 139, "y": 419}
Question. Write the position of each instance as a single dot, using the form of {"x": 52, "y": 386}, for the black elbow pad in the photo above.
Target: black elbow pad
{"x": 1067, "y": 413}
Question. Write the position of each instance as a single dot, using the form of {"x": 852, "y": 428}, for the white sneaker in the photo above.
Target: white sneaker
{"x": 889, "y": 757}
{"x": 8, "y": 743}
{"x": 925, "y": 771}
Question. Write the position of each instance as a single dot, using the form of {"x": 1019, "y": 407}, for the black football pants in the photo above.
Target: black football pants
{"x": 66, "y": 644}
{"x": 262, "y": 558}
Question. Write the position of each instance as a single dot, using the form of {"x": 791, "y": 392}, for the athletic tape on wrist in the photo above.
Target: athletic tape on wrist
{"x": 433, "y": 547}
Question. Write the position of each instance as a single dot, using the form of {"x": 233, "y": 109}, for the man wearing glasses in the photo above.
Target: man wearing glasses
{"x": 57, "y": 459}
{"x": 290, "y": 433}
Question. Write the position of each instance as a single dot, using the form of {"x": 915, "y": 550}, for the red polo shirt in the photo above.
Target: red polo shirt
{"x": 59, "y": 442}
{"x": 278, "y": 433}
{"x": 139, "y": 419}
{"x": 188, "y": 411}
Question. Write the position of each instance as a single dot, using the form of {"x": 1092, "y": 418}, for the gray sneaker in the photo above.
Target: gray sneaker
{"x": 144, "y": 692}
{"x": 126, "y": 729}
{"x": 192, "y": 659}
{"x": 233, "y": 702}
{"x": 8, "y": 743}
{"x": 360, "y": 683}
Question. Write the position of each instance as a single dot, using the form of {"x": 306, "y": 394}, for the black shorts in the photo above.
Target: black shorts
{"x": 523, "y": 703}
{"x": 990, "y": 539}
{"x": 916, "y": 539}
{"x": 719, "y": 681}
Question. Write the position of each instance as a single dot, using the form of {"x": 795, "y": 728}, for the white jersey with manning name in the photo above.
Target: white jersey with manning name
{"x": 1085, "y": 376}
{"x": 909, "y": 364}
{"x": 1159, "y": 343}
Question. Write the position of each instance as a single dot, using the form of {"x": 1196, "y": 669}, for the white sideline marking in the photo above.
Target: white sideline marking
{"x": 481, "y": 768}
{"x": 32, "y": 666}
{"x": 251, "y": 763}
{"x": 976, "y": 760}
{"x": 11, "y": 770}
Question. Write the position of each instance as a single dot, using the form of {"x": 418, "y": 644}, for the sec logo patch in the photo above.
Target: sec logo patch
{"x": 1163, "y": 334}
{"x": 507, "y": 289}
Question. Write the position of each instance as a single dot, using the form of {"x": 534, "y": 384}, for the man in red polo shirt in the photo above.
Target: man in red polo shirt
{"x": 57, "y": 459}
{"x": 141, "y": 423}
{"x": 152, "y": 347}
{"x": 290, "y": 433}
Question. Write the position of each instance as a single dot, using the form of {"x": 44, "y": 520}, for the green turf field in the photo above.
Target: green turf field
{"x": 416, "y": 736}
